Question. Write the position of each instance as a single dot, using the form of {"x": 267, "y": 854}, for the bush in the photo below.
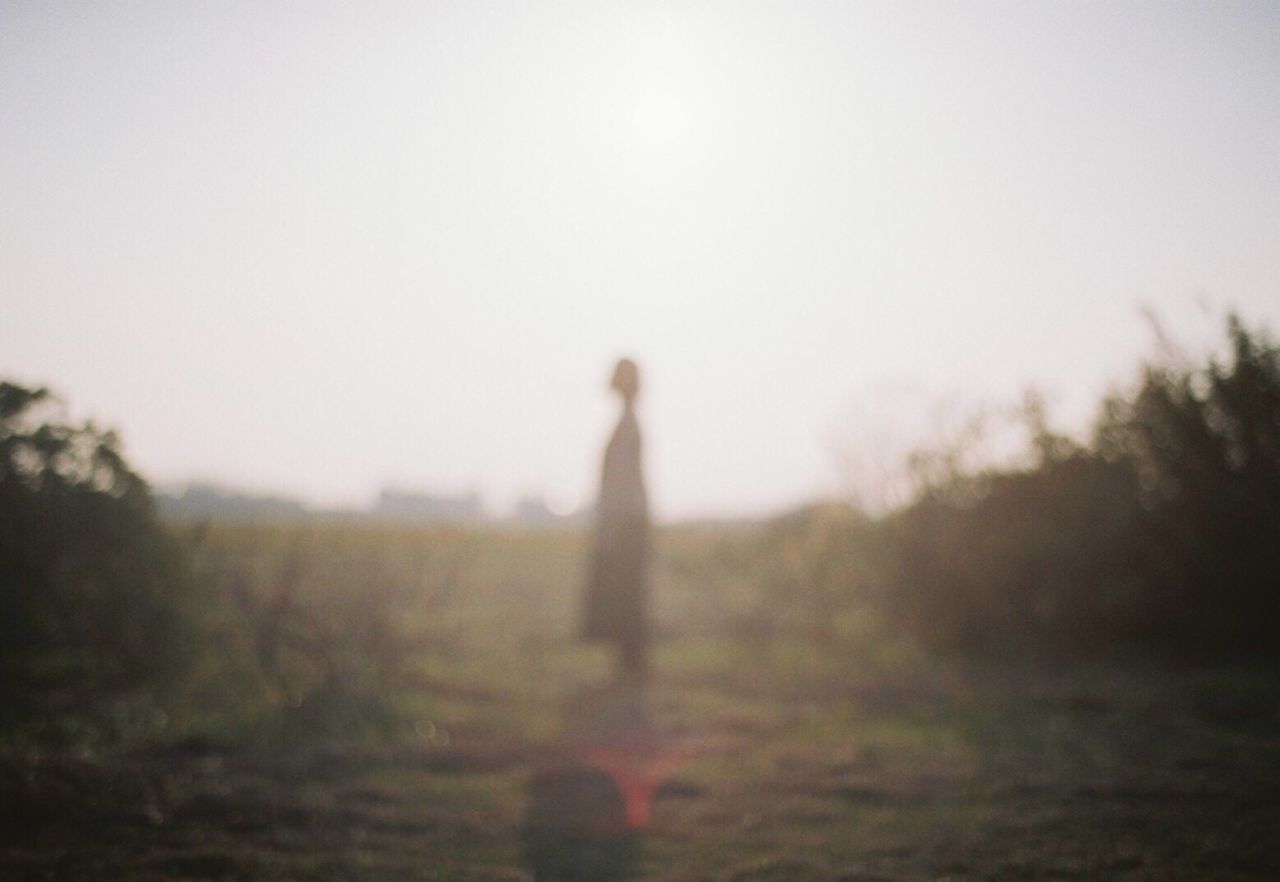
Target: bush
{"x": 90, "y": 584}
{"x": 1164, "y": 531}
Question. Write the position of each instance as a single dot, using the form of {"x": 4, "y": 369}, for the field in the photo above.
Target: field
{"x": 378, "y": 703}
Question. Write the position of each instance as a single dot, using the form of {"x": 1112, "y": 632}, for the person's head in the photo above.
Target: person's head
{"x": 626, "y": 379}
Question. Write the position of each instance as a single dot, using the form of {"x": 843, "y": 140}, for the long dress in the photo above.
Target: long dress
{"x": 617, "y": 589}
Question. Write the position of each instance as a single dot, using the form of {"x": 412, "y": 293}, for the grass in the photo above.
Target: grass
{"x": 842, "y": 761}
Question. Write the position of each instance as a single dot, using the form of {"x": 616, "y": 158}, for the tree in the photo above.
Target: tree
{"x": 90, "y": 582}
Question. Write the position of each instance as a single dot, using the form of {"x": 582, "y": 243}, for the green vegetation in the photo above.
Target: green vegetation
{"x": 91, "y": 587}
{"x": 1063, "y": 671}
{"x": 1162, "y": 534}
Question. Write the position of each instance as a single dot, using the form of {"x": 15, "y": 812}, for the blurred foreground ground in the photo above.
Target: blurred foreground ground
{"x": 804, "y": 758}
{"x": 963, "y": 774}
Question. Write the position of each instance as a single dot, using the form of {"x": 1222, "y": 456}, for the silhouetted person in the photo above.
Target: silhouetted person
{"x": 617, "y": 592}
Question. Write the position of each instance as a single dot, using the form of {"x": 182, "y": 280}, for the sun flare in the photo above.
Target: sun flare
{"x": 660, "y": 117}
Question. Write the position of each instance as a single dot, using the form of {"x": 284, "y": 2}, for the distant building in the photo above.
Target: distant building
{"x": 532, "y": 510}
{"x": 204, "y": 501}
{"x": 465, "y": 509}
{"x": 198, "y": 502}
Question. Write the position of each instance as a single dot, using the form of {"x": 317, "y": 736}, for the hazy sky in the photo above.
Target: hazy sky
{"x": 315, "y": 248}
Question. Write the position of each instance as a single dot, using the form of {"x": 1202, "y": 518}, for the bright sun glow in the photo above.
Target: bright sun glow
{"x": 660, "y": 117}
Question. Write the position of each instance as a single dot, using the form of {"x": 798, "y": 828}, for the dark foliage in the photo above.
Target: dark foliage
{"x": 89, "y": 582}
{"x": 1164, "y": 531}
